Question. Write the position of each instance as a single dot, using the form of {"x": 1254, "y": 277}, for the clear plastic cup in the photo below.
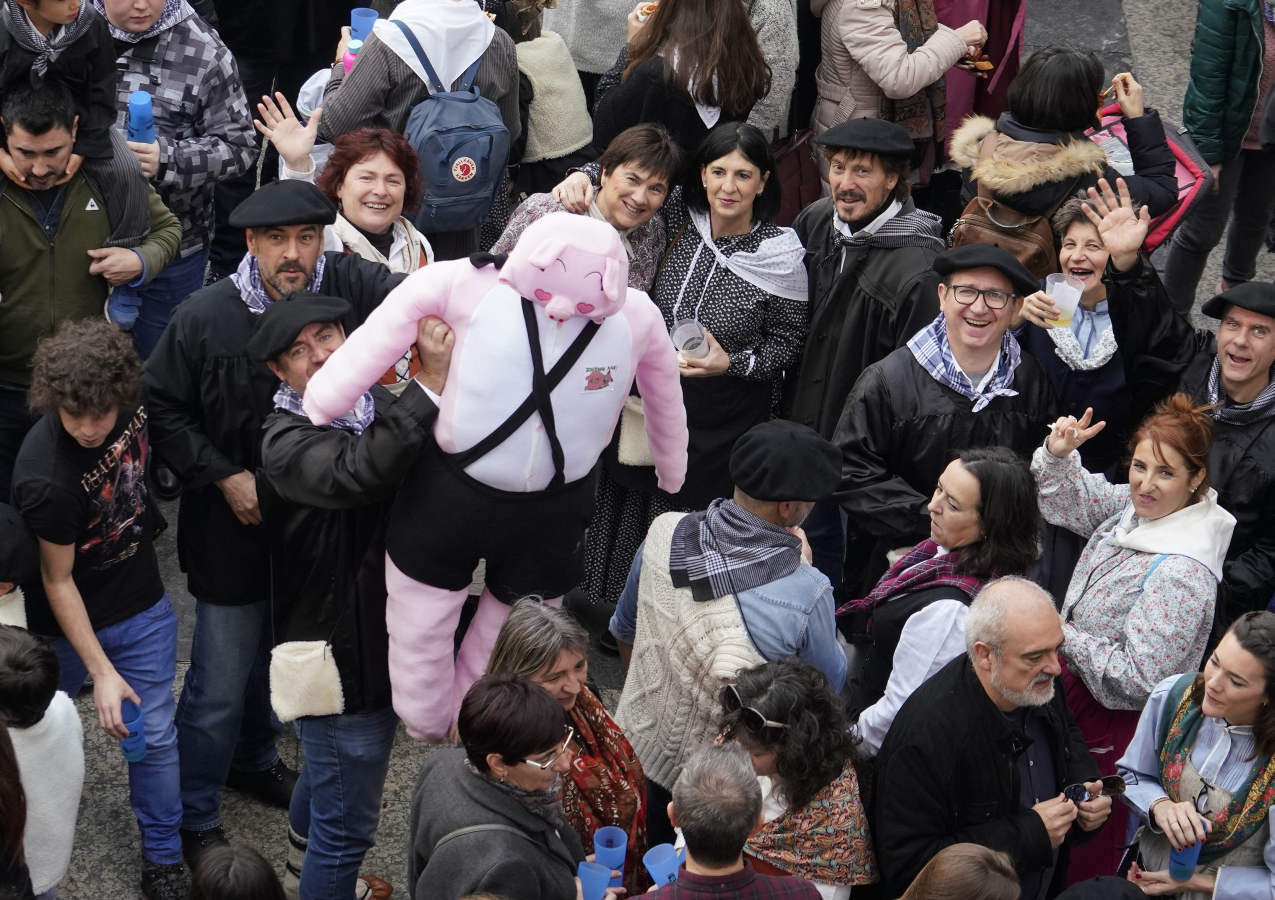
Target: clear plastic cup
{"x": 1065, "y": 291}
{"x": 689, "y": 339}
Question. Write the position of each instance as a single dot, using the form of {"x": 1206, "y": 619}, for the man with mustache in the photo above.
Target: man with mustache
{"x": 208, "y": 398}
{"x": 868, "y": 256}
{"x": 982, "y": 752}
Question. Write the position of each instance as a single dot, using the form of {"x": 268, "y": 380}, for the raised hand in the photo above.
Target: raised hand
{"x": 1068, "y": 433}
{"x": 1122, "y": 230}
{"x": 281, "y": 127}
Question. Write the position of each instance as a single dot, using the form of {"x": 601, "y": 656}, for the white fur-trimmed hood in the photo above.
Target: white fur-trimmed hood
{"x": 1017, "y": 167}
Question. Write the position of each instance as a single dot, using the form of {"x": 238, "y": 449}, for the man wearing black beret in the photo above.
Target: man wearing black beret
{"x": 868, "y": 255}
{"x": 722, "y": 590}
{"x": 207, "y": 399}
{"x": 325, "y": 494}
{"x": 1232, "y": 372}
{"x": 960, "y": 382}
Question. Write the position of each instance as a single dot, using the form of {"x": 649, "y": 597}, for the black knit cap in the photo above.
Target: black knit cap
{"x": 1255, "y": 296}
{"x": 872, "y": 135}
{"x": 977, "y": 256}
{"x": 781, "y": 460}
{"x": 279, "y": 325}
{"x": 284, "y": 202}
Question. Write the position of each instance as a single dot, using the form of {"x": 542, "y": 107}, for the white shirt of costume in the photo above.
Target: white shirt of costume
{"x": 51, "y": 765}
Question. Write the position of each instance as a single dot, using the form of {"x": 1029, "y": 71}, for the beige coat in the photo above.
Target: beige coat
{"x": 865, "y": 60}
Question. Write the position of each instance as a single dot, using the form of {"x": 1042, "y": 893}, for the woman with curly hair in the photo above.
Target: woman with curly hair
{"x": 793, "y": 727}
{"x": 1141, "y": 601}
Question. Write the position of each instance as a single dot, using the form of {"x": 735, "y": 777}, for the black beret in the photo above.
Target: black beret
{"x": 873, "y": 135}
{"x": 1255, "y": 296}
{"x": 976, "y": 256}
{"x": 279, "y": 325}
{"x": 284, "y": 202}
{"x": 19, "y": 553}
{"x": 782, "y": 460}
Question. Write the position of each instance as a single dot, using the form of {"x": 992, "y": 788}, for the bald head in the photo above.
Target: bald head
{"x": 1013, "y": 634}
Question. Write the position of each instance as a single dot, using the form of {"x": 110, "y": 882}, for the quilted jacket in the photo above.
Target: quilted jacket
{"x": 1226, "y": 66}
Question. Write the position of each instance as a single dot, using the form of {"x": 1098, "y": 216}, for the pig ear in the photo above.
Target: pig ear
{"x": 614, "y": 282}
{"x": 543, "y": 255}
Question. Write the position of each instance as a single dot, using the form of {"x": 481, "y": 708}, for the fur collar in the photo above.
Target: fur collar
{"x": 1020, "y": 166}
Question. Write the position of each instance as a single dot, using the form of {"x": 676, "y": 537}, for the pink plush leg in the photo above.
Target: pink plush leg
{"x": 422, "y": 624}
{"x": 480, "y": 638}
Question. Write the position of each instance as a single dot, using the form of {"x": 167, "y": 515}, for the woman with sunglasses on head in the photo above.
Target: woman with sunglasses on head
{"x": 605, "y": 785}
{"x": 487, "y": 816}
{"x": 1203, "y": 757}
{"x": 1141, "y": 599}
{"x": 794, "y": 729}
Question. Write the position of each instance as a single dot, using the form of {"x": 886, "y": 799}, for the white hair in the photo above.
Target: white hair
{"x": 985, "y": 621}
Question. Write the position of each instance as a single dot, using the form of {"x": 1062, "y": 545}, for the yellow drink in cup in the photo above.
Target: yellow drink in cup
{"x": 1065, "y": 291}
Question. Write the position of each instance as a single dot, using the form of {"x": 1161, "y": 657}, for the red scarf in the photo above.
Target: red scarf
{"x": 917, "y": 570}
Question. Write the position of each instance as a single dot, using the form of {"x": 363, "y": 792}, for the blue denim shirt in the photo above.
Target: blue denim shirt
{"x": 790, "y": 617}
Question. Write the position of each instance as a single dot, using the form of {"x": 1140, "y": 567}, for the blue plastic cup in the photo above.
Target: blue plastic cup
{"x": 1182, "y": 862}
{"x": 609, "y": 846}
{"x": 141, "y": 118}
{"x": 662, "y": 862}
{"x": 134, "y": 746}
{"x": 593, "y": 879}
{"x": 362, "y": 19}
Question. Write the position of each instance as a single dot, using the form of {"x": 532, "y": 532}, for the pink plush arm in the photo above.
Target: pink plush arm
{"x": 375, "y": 345}
{"x": 661, "y": 388}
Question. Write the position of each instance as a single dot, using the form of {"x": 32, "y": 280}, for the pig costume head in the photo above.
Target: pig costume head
{"x": 572, "y": 265}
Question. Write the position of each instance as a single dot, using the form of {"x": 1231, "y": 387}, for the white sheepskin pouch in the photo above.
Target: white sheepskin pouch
{"x": 633, "y": 448}
{"x": 304, "y": 681}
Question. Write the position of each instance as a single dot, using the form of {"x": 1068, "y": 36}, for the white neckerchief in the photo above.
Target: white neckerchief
{"x": 871, "y": 228}
{"x": 453, "y": 33}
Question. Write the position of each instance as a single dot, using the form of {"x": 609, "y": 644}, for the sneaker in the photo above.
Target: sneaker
{"x": 196, "y": 843}
{"x": 272, "y": 786}
{"x": 370, "y": 887}
{"x": 164, "y": 881}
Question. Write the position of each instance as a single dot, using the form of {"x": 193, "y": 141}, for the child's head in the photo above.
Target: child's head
{"x": 45, "y": 13}
{"x": 234, "y": 872}
{"x": 28, "y": 676}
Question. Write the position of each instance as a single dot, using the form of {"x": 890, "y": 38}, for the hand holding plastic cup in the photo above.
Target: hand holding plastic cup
{"x": 362, "y": 18}
{"x": 662, "y": 862}
{"x": 593, "y": 879}
{"x": 134, "y": 746}
{"x": 609, "y": 846}
{"x": 689, "y": 338}
{"x": 1182, "y": 862}
{"x": 1065, "y": 291}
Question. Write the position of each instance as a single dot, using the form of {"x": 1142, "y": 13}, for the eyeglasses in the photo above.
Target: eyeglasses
{"x": 751, "y": 717}
{"x": 542, "y": 766}
{"x": 1112, "y": 786}
{"x": 966, "y": 294}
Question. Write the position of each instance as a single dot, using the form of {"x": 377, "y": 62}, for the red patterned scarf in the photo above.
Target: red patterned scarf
{"x": 606, "y": 786}
{"x": 917, "y": 570}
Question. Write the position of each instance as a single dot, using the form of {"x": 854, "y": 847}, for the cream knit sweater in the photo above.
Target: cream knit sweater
{"x": 683, "y": 654}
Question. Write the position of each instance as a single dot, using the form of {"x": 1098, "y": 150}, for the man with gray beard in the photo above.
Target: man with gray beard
{"x": 986, "y": 752}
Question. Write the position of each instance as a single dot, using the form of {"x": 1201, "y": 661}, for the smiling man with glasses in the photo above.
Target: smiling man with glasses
{"x": 961, "y": 382}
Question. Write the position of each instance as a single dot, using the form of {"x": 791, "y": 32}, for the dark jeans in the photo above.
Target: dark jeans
{"x": 15, "y": 421}
{"x": 1245, "y": 196}
{"x": 259, "y": 76}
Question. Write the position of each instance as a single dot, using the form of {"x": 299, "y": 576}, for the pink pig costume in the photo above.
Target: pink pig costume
{"x": 547, "y": 346}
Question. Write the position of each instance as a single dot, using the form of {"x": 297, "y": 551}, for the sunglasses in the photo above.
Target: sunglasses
{"x": 542, "y": 766}
{"x": 749, "y": 716}
{"x": 1112, "y": 786}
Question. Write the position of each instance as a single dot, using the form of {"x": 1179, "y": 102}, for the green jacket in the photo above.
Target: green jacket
{"x": 44, "y": 283}
{"x": 1226, "y": 66}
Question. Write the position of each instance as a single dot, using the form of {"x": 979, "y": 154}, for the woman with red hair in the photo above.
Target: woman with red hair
{"x": 1140, "y": 603}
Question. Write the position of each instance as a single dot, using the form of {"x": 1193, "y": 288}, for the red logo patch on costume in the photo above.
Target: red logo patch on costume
{"x": 598, "y": 378}
{"x": 464, "y": 169}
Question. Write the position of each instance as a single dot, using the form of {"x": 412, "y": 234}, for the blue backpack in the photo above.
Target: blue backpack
{"x": 463, "y": 146}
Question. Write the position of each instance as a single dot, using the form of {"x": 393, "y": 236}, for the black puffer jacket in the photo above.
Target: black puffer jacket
{"x": 948, "y": 774}
{"x": 1162, "y": 351}
{"x": 325, "y": 502}
{"x": 1034, "y": 171}
{"x": 899, "y": 430}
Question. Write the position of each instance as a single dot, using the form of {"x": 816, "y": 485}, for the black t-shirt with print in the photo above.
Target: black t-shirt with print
{"x": 96, "y": 499}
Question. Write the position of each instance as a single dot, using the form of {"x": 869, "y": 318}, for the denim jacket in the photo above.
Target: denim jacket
{"x": 792, "y": 616}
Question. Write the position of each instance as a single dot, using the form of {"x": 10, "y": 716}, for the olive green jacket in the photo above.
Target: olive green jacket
{"x": 1226, "y": 66}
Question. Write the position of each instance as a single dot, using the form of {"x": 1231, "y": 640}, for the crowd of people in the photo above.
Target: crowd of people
{"x": 809, "y": 356}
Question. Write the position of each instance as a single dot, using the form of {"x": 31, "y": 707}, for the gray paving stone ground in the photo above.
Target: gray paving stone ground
{"x": 1151, "y": 37}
